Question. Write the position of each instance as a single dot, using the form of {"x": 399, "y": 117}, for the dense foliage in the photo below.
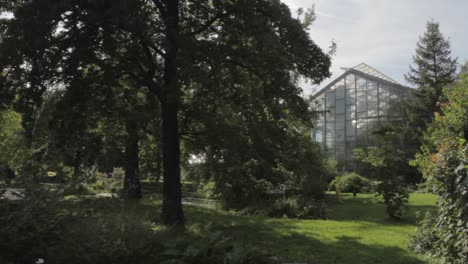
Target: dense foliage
{"x": 11, "y": 146}
{"x": 149, "y": 85}
{"x": 90, "y": 230}
{"x": 351, "y": 182}
{"x": 443, "y": 160}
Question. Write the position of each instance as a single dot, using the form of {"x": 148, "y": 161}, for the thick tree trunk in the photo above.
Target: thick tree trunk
{"x": 172, "y": 213}
{"x": 132, "y": 184}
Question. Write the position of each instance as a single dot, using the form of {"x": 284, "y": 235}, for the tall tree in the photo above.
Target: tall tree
{"x": 241, "y": 49}
{"x": 434, "y": 69}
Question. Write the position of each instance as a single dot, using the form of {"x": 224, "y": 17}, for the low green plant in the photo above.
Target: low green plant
{"x": 351, "y": 182}
{"x": 45, "y": 226}
{"x": 293, "y": 207}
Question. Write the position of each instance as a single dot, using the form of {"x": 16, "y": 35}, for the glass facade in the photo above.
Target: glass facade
{"x": 352, "y": 108}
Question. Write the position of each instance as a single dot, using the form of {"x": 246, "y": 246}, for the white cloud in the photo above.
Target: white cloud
{"x": 383, "y": 33}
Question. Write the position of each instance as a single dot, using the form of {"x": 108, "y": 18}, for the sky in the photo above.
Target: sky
{"x": 382, "y": 33}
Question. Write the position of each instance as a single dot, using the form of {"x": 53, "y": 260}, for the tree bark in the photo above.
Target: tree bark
{"x": 132, "y": 184}
{"x": 172, "y": 213}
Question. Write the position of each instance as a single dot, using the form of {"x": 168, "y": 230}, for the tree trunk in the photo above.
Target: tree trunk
{"x": 172, "y": 196}
{"x": 132, "y": 184}
{"x": 76, "y": 166}
{"x": 172, "y": 213}
{"x": 159, "y": 169}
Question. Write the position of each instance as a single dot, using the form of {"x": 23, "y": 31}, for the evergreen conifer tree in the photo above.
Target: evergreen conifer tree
{"x": 434, "y": 69}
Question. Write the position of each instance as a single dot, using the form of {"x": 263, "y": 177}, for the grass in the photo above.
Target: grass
{"x": 358, "y": 231}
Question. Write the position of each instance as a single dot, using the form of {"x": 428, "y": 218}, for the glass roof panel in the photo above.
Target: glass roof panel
{"x": 371, "y": 71}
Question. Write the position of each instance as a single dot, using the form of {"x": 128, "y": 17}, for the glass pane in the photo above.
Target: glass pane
{"x": 361, "y": 84}
{"x": 350, "y": 96}
{"x": 383, "y": 108}
{"x": 330, "y": 144}
{"x": 340, "y": 137}
{"x": 383, "y": 90}
{"x": 350, "y": 146}
{"x": 330, "y": 130}
{"x": 371, "y": 91}
{"x": 350, "y": 112}
{"x": 330, "y": 99}
{"x": 319, "y": 126}
{"x": 372, "y": 126}
{"x": 362, "y": 115}
{"x": 340, "y": 106}
{"x": 361, "y": 133}
{"x": 361, "y": 103}
{"x": 340, "y": 122}
{"x": 318, "y": 136}
{"x": 340, "y": 153}
{"x": 350, "y": 128}
{"x": 340, "y": 91}
{"x": 372, "y": 109}
{"x": 350, "y": 81}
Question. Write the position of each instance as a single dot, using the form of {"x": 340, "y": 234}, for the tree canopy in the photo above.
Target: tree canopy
{"x": 223, "y": 73}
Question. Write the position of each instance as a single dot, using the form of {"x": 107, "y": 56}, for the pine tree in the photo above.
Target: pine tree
{"x": 434, "y": 69}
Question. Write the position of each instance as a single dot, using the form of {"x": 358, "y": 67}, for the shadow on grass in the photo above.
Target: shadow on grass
{"x": 282, "y": 238}
{"x": 278, "y": 237}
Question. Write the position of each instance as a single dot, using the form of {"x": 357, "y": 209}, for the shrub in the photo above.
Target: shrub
{"x": 293, "y": 207}
{"x": 425, "y": 237}
{"x": 351, "y": 182}
{"x": 394, "y": 194}
{"x": 27, "y": 226}
{"x": 443, "y": 160}
{"x": 97, "y": 182}
{"x": 43, "y": 226}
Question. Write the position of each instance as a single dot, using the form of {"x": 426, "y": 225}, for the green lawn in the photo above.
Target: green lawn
{"x": 357, "y": 232}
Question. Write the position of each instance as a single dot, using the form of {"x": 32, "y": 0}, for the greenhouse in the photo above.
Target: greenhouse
{"x": 353, "y": 106}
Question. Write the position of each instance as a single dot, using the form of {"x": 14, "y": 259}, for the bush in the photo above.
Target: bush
{"x": 289, "y": 207}
{"x": 98, "y": 182}
{"x": 27, "y": 226}
{"x": 443, "y": 161}
{"x": 425, "y": 236}
{"x": 43, "y": 226}
{"x": 351, "y": 182}
{"x": 395, "y": 195}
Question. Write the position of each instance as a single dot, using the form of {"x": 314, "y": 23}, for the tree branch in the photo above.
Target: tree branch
{"x": 208, "y": 24}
